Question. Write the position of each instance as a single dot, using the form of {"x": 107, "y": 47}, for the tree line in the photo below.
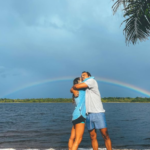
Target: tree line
{"x": 69, "y": 100}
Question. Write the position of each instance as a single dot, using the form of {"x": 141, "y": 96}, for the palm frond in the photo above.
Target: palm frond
{"x": 137, "y": 25}
{"x": 119, "y": 3}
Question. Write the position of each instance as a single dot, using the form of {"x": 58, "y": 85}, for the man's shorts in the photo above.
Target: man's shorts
{"x": 96, "y": 120}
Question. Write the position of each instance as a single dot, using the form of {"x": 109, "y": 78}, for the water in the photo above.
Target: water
{"x": 48, "y": 125}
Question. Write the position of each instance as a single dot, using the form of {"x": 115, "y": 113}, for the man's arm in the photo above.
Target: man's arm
{"x": 77, "y": 87}
{"x": 80, "y": 86}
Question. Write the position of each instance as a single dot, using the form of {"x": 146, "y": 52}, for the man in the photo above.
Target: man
{"x": 94, "y": 109}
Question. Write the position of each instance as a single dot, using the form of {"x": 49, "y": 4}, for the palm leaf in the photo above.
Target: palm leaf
{"x": 137, "y": 25}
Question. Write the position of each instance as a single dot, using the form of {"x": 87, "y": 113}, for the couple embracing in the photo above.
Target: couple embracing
{"x": 89, "y": 110}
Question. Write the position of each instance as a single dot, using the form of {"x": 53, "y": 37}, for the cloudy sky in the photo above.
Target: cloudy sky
{"x": 54, "y": 39}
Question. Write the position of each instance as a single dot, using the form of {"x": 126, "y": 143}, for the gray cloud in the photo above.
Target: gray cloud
{"x": 3, "y": 75}
{"x": 2, "y": 69}
{"x": 46, "y": 39}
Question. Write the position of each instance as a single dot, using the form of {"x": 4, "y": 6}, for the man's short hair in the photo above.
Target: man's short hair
{"x": 87, "y": 73}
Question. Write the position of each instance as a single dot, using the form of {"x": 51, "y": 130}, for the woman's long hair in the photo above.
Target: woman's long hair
{"x": 75, "y": 81}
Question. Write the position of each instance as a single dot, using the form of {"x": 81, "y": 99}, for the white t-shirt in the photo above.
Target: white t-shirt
{"x": 93, "y": 97}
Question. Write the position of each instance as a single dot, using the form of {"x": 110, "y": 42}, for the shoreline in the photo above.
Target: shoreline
{"x": 71, "y": 102}
{"x": 66, "y": 149}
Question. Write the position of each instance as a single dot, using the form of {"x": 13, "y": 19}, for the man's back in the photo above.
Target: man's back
{"x": 93, "y": 97}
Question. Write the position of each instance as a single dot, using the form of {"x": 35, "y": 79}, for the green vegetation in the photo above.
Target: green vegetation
{"x": 65, "y": 100}
{"x": 126, "y": 99}
{"x": 35, "y": 100}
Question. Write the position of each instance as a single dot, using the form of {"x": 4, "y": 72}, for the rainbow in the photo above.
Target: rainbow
{"x": 59, "y": 79}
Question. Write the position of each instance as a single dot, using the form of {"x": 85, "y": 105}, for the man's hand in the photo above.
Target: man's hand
{"x": 75, "y": 92}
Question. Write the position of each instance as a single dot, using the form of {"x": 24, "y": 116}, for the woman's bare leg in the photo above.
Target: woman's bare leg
{"x": 79, "y": 130}
{"x": 71, "y": 139}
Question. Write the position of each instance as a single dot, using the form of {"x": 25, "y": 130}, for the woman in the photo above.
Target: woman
{"x": 78, "y": 119}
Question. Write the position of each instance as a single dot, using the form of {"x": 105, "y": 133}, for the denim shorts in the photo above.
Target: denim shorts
{"x": 96, "y": 121}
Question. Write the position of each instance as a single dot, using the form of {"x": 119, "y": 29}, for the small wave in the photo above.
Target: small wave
{"x": 65, "y": 149}
{"x": 27, "y": 149}
{"x": 147, "y": 139}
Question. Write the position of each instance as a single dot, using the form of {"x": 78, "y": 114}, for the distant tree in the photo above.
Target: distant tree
{"x": 137, "y": 24}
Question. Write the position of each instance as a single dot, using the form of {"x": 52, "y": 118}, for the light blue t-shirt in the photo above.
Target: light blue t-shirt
{"x": 80, "y": 108}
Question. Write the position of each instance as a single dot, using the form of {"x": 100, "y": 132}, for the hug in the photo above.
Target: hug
{"x": 88, "y": 111}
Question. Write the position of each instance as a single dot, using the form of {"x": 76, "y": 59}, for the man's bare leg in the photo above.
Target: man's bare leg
{"x": 106, "y": 138}
{"x": 94, "y": 141}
